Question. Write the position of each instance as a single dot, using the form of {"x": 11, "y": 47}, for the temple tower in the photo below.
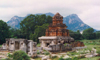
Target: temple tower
{"x": 57, "y": 28}
{"x": 57, "y": 33}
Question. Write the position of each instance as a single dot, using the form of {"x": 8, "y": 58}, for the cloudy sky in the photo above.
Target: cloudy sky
{"x": 87, "y": 10}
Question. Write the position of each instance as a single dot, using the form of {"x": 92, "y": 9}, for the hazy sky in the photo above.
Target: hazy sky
{"x": 87, "y": 10}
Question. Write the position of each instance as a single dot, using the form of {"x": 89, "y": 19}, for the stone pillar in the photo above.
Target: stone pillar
{"x": 54, "y": 48}
{"x": 4, "y": 46}
{"x": 32, "y": 51}
{"x": 12, "y": 45}
{"x": 58, "y": 47}
{"x": 23, "y": 46}
{"x": 43, "y": 44}
{"x": 31, "y": 47}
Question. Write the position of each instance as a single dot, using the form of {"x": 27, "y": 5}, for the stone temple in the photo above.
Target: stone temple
{"x": 28, "y": 46}
{"x": 56, "y": 39}
{"x": 56, "y": 35}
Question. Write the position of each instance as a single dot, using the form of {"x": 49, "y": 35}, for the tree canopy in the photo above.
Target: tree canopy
{"x": 76, "y": 35}
{"x": 34, "y": 26}
{"x": 89, "y": 33}
{"x": 4, "y": 31}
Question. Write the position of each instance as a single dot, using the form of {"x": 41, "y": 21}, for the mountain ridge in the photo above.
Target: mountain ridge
{"x": 73, "y": 22}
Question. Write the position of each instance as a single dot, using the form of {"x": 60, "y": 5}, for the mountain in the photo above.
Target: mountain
{"x": 73, "y": 22}
{"x": 14, "y": 22}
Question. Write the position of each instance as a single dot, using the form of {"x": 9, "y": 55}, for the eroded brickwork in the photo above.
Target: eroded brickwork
{"x": 57, "y": 28}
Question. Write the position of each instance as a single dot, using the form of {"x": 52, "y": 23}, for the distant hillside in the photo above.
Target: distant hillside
{"x": 14, "y": 22}
{"x": 73, "y": 22}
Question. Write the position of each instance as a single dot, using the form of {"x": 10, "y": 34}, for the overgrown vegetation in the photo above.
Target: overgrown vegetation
{"x": 87, "y": 34}
{"x": 4, "y": 31}
{"x": 18, "y": 55}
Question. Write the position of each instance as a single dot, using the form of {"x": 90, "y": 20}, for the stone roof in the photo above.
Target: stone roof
{"x": 13, "y": 39}
{"x": 48, "y": 37}
{"x": 56, "y": 37}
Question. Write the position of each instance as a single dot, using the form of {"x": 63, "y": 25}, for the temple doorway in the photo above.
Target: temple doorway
{"x": 16, "y": 45}
{"x": 47, "y": 44}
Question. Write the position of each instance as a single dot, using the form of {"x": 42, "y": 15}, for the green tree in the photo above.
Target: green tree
{"x": 98, "y": 34}
{"x": 79, "y": 35}
{"x": 33, "y": 26}
{"x": 49, "y": 19}
{"x": 4, "y": 31}
{"x": 39, "y": 31}
{"x": 16, "y": 33}
{"x": 20, "y": 55}
{"x": 89, "y": 33}
{"x": 27, "y": 25}
{"x": 76, "y": 35}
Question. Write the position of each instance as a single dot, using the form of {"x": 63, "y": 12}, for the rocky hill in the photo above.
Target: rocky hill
{"x": 72, "y": 21}
{"x": 14, "y": 22}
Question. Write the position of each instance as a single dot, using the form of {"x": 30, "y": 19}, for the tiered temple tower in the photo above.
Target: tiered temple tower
{"x": 56, "y": 33}
{"x": 57, "y": 28}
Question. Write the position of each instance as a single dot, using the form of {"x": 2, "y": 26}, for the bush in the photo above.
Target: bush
{"x": 9, "y": 55}
{"x": 60, "y": 58}
{"x": 20, "y": 55}
{"x": 46, "y": 53}
{"x": 54, "y": 57}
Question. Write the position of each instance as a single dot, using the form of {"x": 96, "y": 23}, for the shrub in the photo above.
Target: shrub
{"x": 60, "y": 58}
{"x": 54, "y": 57}
{"x": 9, "y": 55}
{"x": 20, "y": 55}
{"x": 46, "y": 53}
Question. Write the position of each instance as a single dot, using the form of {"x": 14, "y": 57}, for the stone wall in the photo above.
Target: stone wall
{"x": 28, "y": 46}
{"x": 77, "y": 44}
{"x": 60, "y": 47}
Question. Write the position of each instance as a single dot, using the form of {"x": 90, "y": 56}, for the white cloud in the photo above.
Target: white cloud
{"x": 87, "y": 10}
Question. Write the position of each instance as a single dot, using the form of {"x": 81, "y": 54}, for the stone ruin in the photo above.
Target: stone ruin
{"x": 27, "y": 46}
{"x": 57, "y": 37}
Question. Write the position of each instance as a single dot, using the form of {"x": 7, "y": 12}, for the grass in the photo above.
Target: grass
{"x": 92, "y": 58}
{"x": 91, "y": 43}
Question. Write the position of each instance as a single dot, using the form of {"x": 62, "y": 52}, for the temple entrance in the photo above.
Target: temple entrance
{"x": 47, "y": 44}
{"x": 16, "y": 45}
